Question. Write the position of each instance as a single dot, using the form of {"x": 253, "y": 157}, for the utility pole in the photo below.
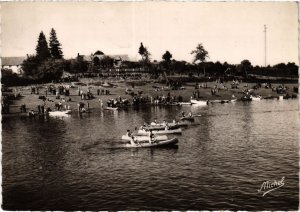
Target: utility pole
{"x": 265, "y": 31}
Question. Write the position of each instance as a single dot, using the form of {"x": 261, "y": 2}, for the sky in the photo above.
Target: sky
{"x": 229, "y": 31}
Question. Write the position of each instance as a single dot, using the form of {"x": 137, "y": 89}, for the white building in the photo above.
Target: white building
{"x": 13, "y": 63}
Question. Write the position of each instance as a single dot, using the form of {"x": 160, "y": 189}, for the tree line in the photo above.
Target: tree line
{"x": 48, "y": 64}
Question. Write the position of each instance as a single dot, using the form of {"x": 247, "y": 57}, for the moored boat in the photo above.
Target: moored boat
{"x": 169, "y": 142}
{"x": 198, "y": 102}
{"x": 160, "y": 132}
{"x": 255, "y": 98}
{"x": 59, "y": 113}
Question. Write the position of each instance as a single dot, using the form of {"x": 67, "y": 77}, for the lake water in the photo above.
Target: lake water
{"x": 220, "y": 163}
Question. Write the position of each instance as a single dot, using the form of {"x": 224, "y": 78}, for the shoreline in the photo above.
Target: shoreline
{"x": 145, "y": 92}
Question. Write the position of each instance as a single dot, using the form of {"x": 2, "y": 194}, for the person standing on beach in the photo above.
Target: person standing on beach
{"x": 59, "y": 105}
{"x": 39, "y": 108}
{"x": 43, "y": 108}
{"x": 101, "y": 103}
{"x": 78, "y": 105}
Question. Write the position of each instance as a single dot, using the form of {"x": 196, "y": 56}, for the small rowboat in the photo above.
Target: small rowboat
{"x": 169, "y": 142}
{"x": 145, "y": 138}
{"x": 160, "y": 132}
{"x": 60, "y": 113}
{"x": 198, "y": 102}
{"x": 188, "y": 118}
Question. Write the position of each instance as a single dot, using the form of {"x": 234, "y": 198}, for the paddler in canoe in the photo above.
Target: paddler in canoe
{"x": 151, "y": 136}
{"x": 128, "y": 133}
{"x": 182, "y": 114}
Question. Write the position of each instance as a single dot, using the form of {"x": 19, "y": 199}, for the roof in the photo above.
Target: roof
{"x": 12, "y": 61}
{"x": 98, "y": 53}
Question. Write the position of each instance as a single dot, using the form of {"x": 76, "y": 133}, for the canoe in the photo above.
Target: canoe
{"x": 169, "y": 142}
{"x": 187, "y": 118}
{"x": 60, "y": 113}
{"x": 198, "y": 102}
{"x": 184, "y": 103}
{"x": 219, "y": 101}
{"x": 160, "y": 132}
{"x": 162, "y": 126}
{"x": 111, "y": 108}
{"x": 145, "y": 138}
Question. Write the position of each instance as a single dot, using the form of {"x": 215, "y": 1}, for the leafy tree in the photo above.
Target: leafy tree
{"x": 166, "y": 61}
{"x": 50, "y": 70}
{"x": 30, "y": 66}
{"x": 107, "y": 62}
{"x": 143, "y": 51}
{"x": 42, "y": 50}
{"x": 200, "y": 54}
{"x": 55, "y": 46}
{"x": 96, "y": 61}
{"x": 167, "y": 56}
{"x": 78, "y": 65}
{"x": 245, "y": 67}
{"x": 8, "y": 77}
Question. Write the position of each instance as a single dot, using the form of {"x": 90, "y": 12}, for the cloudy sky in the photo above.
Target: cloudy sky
{"x": 229, "y": 31}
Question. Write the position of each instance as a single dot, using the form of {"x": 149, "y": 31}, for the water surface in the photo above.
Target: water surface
{"x": 220, "y": 163}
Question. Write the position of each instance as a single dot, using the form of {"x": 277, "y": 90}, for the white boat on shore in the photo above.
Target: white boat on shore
{"x": 198, "y": 102}
{"x": 60, "y": 113}
{"x": 169, "y": 142}
{"x": 160, "y": 132}
{"x": 255, "y": 98}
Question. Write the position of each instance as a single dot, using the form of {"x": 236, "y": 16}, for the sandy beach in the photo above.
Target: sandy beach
{"x": 144, "y": 90}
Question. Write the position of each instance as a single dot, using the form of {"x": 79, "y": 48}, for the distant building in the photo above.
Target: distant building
{"x": 99, "y": 55}
{"x": 13, "y": 63}
{"x": 119, "y": 59}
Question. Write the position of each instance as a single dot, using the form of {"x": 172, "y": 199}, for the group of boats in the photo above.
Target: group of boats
{"x": 156, "y": 134}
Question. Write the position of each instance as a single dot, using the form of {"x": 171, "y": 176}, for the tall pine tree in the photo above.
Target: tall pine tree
{"x": 42, "y": 50}
{"x": 55, "y": 46}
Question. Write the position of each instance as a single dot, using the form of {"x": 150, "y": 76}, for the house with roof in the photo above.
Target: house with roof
{"x": 13, "y": 63}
